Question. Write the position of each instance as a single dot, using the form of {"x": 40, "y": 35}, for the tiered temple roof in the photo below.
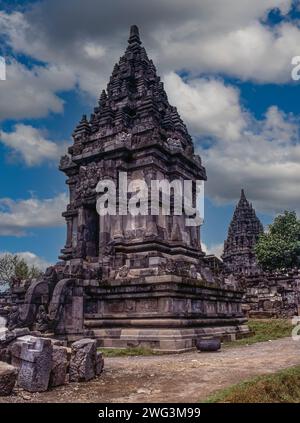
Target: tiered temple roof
{"x": 243, "y": 233}
{"x": 135, "y": 96}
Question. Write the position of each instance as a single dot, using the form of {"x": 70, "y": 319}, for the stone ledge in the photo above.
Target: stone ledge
{"x": 164, "y": 340}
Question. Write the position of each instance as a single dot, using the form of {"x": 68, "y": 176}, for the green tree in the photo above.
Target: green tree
{"x": 279, "y": 248}
{"x": 13, "y": 267}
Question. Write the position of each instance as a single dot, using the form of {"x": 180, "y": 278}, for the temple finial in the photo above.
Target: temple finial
{"x": 103, "y": 96}
{"x": 82, "y": 127}
{"x": 134, "y": 36}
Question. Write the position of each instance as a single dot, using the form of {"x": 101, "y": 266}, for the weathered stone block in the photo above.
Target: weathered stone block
{"x": 85, "y": 362}
{"x": 8, "y": 377}
{"x": 6, "y": 338}
{"x": 33, "y": 356}
{"x": 5, "y": 355}
{"x": 59, "y": 366}
{"x": 19, "y": 332}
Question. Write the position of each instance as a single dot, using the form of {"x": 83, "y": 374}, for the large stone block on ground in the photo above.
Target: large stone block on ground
{"x": 86, "y": 362}
{"x": 59, "y": 366}
{"x": 8, "y": 377}
{"x": 6, "y": 340}
{"x": 33, "y": 357}
{"x": 208, "y": 344}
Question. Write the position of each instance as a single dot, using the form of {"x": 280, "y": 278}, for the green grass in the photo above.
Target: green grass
{"x": 264, "y": 330}
{"x": 121, "y": 352}
{"x": 280, "y": 387}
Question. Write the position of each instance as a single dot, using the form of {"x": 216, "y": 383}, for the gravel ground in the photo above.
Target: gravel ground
{"x": 187, "y": 377}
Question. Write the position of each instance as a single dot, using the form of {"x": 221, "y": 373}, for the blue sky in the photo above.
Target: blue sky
{"x": 227, "y": 68}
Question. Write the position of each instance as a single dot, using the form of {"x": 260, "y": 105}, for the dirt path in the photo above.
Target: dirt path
{"x": 174, "y": 378}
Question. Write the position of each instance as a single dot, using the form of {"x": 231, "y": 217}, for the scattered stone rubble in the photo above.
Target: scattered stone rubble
{"x": 36, "y": 364}
{"x": 8, "y": 377}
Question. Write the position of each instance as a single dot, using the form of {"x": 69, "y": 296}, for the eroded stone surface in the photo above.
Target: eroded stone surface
{"x": 85, "y": 362}
{"x": 8, "y": 377}
{"x": 33, "y": 356}
{"x": 59, "y": 366}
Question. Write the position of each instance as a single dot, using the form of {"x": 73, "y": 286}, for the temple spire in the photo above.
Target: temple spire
{"x": 243, "y": 200}
{"x": 243, "y": 233}
{"x": 134, "y": 35}
{"x": 82, "y": 128}
{"x": 135, "y": 97}
{"x": 103, "y": 97}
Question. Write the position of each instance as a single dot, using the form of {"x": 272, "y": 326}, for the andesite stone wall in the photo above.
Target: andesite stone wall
{"x": 272, "y": 295}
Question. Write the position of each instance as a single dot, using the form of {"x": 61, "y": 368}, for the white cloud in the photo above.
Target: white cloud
{"x": 82, "y": 60}
{"x": 201, "y": 37}
{"x": 207, "y": 105}
{"x": 263, "y": 156}
{"x": 31, "y": 145}
{"x": 265, "y": 161}
{"x": 93, "y": 50}
{"x": 32, "y": 93}
{"x": 17, "y": 216}
{"x": 31, "y": 259}
{"x": 34, "y": 260}
{"x": 252, "y": 52}
{"x": 215, "y": 249}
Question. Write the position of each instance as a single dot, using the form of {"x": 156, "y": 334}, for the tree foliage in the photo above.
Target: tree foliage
{"x": 279, "y": 248}
{"x": 14, "y": 267}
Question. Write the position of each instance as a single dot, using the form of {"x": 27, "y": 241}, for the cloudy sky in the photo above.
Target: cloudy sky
{"x": 226, "y": 65}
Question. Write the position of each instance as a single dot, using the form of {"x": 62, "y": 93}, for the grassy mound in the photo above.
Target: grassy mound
{"x": 280, "y": 387}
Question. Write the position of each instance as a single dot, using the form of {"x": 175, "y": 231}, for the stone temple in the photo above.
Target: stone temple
{"x": 131, "y": 280}
{"x": 243, "y": 233}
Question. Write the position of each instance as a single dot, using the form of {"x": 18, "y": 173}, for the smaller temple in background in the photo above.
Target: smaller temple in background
{"x": 266, "y": 294}
{"x": 243, "y": 233}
